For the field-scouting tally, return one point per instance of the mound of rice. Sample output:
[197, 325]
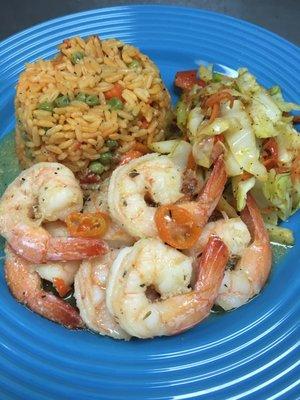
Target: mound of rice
[65, 110]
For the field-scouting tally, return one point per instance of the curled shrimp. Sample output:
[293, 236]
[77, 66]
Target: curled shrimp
[249, 275]
[115, 236]
[136, 188]
[90, 293]
[210, 194]
[26, 286]
[44, 192]
[152, 264]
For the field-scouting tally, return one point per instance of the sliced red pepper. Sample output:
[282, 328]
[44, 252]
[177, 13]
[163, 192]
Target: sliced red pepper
[270, 153]
[61, 287]
[187, 79]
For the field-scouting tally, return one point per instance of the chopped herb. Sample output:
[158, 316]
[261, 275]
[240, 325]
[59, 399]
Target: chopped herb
[133, 173]
[147, 315]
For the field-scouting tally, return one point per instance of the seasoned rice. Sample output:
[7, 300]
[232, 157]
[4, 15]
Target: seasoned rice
[75, 133]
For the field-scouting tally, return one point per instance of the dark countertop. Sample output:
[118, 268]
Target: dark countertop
[281, 17]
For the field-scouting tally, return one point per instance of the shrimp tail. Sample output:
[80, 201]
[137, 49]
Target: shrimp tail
[260, 247]
[40, 247]
[214, 187]
[254, 221]
[210, 195]
[71, 249]
[210, 272]
[25, 286]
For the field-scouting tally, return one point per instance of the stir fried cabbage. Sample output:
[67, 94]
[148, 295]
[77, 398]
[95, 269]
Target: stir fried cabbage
[242, 115]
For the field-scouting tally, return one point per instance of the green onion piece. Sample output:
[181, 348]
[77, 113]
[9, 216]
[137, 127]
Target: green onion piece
[111, 144]
[105, 158]
[115, 103]
[81, 97]
[92, 100]
[62, 101]
[280, 235]
[76, 56]
[46, 106]
[96, 167]
[134, 64]
[217, 77]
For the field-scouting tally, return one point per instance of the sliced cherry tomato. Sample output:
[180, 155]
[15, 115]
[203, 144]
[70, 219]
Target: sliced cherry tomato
[87, 225]
[177, 226]
[187, 79]
[116, 91]
[270, 153]
[61, 287]
[129, 155]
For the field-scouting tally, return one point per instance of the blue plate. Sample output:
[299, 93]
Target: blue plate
[250, 353]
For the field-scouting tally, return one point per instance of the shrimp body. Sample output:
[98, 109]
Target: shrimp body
[44, 192]
[152, 264]
[233, 232]
[25, 285]
[51, 271]
[90, 293]
[115, 236]
[252, 270]
[136, 188]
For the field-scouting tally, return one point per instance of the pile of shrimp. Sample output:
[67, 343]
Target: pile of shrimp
[164, 259]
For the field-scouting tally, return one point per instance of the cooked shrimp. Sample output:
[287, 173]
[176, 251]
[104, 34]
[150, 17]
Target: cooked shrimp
[26, 286]
[233, 232]
[136, 188]
[252, 270]
[152, 264]
[44, 192]
[210, 194]
[115, 236]
[60, 273]
[90, 293]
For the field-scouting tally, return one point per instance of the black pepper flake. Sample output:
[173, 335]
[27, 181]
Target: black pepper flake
[125, 203]
[225, 285]
[147, 315]
[124, 274]
[133, 173]
[23, 179]
[142, 285]
[55, 173]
